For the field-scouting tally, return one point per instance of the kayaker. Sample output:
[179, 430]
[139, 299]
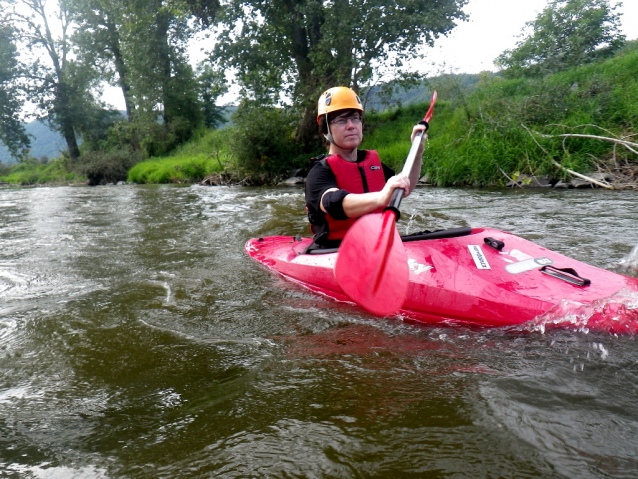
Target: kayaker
[348, 183]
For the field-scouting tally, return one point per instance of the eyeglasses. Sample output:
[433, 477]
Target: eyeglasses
[342, 120]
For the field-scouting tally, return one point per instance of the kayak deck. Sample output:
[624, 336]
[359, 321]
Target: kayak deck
[487, 277]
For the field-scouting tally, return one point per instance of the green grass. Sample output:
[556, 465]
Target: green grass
[389, 132]
[206, 153]
[477, 140]
[33, 173]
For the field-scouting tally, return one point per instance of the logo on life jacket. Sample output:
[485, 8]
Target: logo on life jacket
[375, 167]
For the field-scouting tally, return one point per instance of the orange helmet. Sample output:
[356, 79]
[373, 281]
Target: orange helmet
[338, 98]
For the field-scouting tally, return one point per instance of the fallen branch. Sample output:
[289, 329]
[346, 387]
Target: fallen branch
[515, 183]
[582, 177]
[626, 144]
[571, 172]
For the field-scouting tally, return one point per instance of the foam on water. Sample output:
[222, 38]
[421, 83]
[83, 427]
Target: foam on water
[629, 264]
[616, 314]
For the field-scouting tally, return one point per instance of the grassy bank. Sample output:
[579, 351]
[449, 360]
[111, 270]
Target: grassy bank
[207, 153]
[510, 126]
[501, 128]
[479, 138]
[33, 173]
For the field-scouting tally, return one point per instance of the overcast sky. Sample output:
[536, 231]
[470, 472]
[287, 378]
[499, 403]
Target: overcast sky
[493, 26]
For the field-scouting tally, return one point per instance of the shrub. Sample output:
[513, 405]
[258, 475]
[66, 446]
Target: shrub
[263, 141]
[102, 168]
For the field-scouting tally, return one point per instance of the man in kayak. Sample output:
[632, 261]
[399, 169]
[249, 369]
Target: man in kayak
[347, 183]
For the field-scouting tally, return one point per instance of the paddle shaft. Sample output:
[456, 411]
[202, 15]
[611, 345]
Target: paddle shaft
[372, 265]
[397, 194]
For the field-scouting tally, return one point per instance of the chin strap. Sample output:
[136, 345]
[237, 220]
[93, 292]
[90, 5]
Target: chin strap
[328, 136]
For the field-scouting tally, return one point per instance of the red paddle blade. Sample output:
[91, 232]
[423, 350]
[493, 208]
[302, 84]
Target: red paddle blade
[428, 115]
[372, 267]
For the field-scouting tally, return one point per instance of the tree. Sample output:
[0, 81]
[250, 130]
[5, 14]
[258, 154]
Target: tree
[565, 34]
[298, 48]
[12, 132]
[212, 85]
[99, 38]
[140, 45]
[59, 84]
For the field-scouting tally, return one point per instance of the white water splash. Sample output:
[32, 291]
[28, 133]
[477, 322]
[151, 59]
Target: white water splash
[616, 314]
[630, 262]
[603, 350]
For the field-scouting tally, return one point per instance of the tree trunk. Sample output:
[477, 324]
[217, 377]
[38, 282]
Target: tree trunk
[69, 136]
[302, 39]
[120, 66]
[163, 49]
[64, 119]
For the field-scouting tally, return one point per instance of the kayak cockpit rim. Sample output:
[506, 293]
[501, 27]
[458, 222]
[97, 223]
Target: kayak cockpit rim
[421, 236]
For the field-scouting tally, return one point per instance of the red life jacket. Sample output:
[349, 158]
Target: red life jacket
[361, 177]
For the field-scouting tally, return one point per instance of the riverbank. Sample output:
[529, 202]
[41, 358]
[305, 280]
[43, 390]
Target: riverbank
[576, 122]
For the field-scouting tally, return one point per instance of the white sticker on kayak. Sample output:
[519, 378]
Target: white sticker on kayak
[527, 265]
[418, 268]
[479, 258]
[518, 255]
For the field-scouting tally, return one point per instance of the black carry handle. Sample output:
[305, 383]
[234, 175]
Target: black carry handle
[566, 274]
[494, 243]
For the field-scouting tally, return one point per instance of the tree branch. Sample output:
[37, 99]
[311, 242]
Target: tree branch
[626, 144]
[571, 172]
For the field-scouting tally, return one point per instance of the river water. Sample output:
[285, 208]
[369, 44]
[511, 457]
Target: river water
[137, 340]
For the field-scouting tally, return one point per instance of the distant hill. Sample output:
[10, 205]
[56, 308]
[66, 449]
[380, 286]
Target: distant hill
[44, 142]
[449, 87]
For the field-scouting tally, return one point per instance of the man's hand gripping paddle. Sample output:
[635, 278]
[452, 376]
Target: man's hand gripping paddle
[372, 267]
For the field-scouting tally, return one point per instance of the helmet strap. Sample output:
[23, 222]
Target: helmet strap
[328, 136]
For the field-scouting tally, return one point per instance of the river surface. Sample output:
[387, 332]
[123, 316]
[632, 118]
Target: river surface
[138, 340]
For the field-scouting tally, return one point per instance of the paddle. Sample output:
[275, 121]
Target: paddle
[372, 267]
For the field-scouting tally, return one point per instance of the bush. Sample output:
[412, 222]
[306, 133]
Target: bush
[149, 137]
[263, 142]
[101, 168]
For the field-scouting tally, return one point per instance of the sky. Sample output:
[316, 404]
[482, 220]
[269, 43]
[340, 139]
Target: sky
[493, 26]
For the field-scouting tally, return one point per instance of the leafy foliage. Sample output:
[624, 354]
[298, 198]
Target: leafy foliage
[101, 168]
[31, 172]
[12, 132]
[61, 86]
[212, 85]
[567, 33]
[263, 141]
[302, 47]
[141, 47]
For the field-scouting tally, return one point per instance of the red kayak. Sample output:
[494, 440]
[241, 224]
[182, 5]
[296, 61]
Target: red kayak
[478, 276]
